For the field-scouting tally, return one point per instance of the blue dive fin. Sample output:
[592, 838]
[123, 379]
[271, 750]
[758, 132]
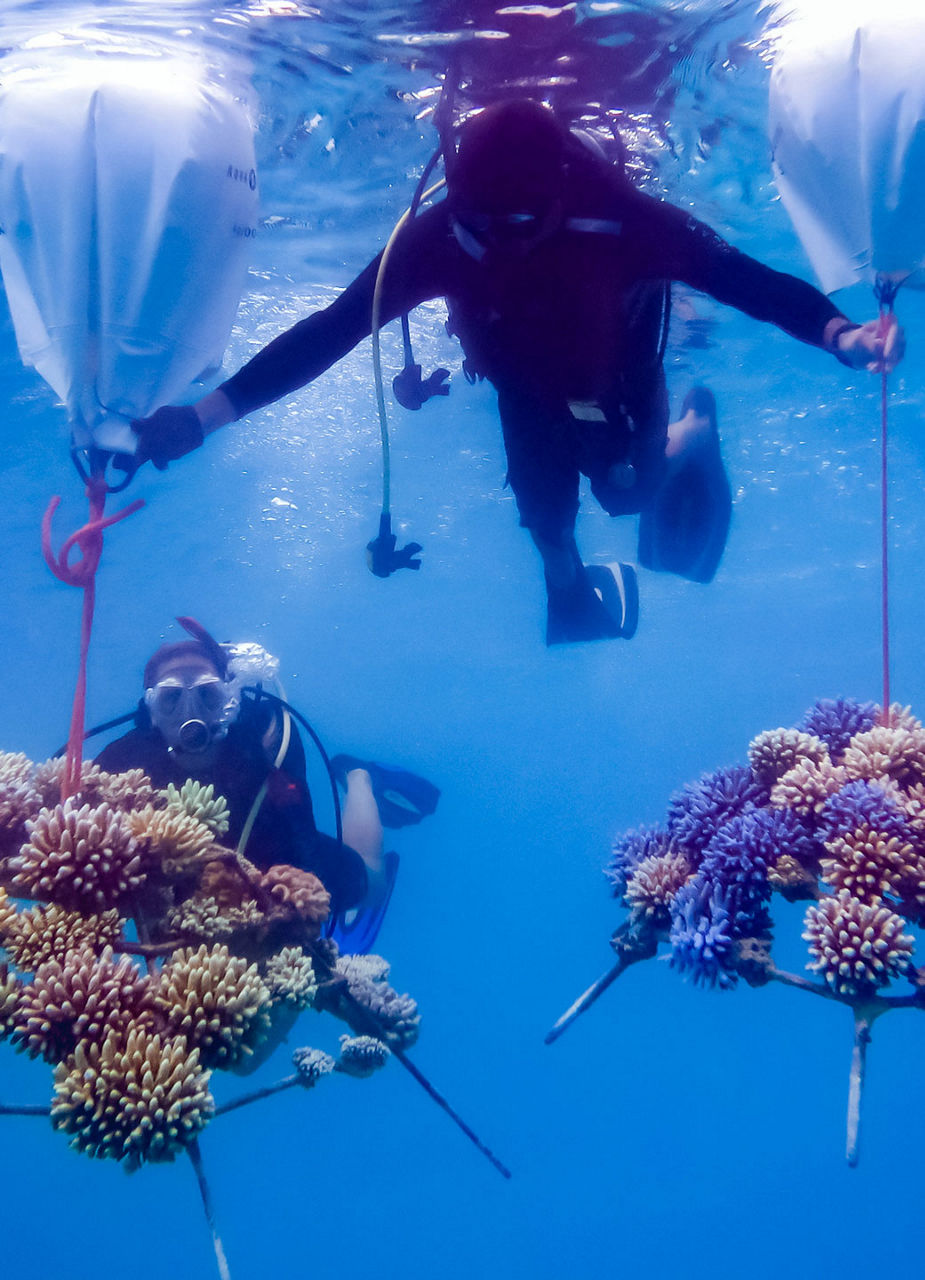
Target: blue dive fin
[358, 937]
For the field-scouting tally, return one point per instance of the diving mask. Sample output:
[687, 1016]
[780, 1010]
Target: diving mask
[191, 714]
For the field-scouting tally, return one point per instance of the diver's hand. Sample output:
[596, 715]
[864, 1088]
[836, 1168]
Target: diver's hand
[172, 432]
[877, 346]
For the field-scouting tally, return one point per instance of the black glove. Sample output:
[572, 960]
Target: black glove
[382, 556]
[411, 390]
[172, 432]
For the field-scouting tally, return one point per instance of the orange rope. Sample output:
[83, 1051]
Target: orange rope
[89, 540]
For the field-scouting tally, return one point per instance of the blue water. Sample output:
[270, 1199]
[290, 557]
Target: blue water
[672, 1131]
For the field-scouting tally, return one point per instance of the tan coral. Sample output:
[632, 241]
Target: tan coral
[139, 1096]
[807, 786]
[172, 838]
[654, 882]
[202, 917]
[886, 752]
[290, 978]
[46, 933]
[857, 947]
[870, 864]
[10, 988]
[199, 802]
[79, 998]
[217, 1001]
[79, 857]
[50, 774]
[230, 884]
[789, 877]
[19, 798]
[773, 753]
[132, 789]
[902, 718]
[8, 914]
[296, 893]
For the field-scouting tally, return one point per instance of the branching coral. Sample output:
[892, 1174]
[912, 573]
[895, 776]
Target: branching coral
[856, 947]
[863, 803]
[10, 988]
[837, 720]
[8, 915]
[702, 935]
[396, 1015]
[199, 802]
[631, 849]
[216, 1000]
[79, 998]
[81, 858]
[808, 786]
[50, 774]
[19, 797]
[296, 894]
[312, 1065]
[173, 837]
[697, 811]
[49, 933]
[871, 864]
[654, 882]
[773, 753]
[204, 918]
[290, 978]
[138, 1096]
[887, 753]
[362, 1056]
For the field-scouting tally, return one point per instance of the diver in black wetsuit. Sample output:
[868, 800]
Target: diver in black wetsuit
[191, 723]
[554, 268]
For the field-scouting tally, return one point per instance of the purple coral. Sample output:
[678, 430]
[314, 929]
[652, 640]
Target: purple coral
[702, 934]
[859, 804]
[632, 848]
[697, 811]
[837, 720]
[737, 860]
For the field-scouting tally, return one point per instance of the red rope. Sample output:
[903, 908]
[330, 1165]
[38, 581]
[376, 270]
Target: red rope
[884, 532]
[89, 540]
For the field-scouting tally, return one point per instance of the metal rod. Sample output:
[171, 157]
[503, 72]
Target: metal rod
[195, 1156]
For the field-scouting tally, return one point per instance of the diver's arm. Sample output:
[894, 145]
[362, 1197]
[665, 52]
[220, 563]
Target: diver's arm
[693, 253]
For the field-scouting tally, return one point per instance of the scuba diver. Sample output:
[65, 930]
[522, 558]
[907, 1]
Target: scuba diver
[557, 271]
[206, 715]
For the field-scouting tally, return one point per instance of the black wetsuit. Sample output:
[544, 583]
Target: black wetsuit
[575, 320]
[284, 830]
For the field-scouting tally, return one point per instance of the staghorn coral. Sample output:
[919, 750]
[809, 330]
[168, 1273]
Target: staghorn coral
[10, 988]
[296, 894]
[48, 933]
[702, 943]
[773, 753]
[362, 1056]
[203, 918]
[697, 811]
[130, 790]
[290, 978]
[312, 1064]
[217, 1001]
[199, 802]
[78, 857]
[397, 1015]
[837, 720]
[8, 915]
[857, 947]
[736, 861]
[886, 752]
[864, 803]
[871, 864]
[138, 1096]
[19, 797]
[79, 998]
[50, 774]
[654, 882]
[807, 787]
[792, 879]
[174, 838]
[632, 848]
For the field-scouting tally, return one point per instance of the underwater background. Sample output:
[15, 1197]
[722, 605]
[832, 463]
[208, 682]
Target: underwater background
[672, 1130]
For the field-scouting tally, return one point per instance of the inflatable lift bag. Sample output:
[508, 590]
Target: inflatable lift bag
[847, 128]
[128, 197]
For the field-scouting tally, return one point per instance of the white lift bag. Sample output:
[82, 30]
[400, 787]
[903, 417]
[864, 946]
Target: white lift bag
[128, 198]
[847, 128]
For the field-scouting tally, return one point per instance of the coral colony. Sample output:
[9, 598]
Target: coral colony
[831, 812]
[142, 955]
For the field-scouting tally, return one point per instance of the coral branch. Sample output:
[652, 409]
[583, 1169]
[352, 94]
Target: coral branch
[856, 1083]
[25, 1111]
[195, 1156]
[257, 1094]
[635, 940]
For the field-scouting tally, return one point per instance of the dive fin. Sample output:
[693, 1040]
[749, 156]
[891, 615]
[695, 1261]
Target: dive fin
[355, 931]
[403, 797]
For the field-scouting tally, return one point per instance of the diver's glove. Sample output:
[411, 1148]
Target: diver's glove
[172, 432]
[411, 390]
[381, 554]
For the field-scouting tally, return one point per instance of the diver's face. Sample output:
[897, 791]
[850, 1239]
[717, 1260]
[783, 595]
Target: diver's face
[188, 704]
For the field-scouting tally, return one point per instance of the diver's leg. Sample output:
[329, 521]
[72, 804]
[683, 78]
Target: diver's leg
[362, 831]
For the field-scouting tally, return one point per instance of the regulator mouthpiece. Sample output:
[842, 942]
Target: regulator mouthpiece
[193, 735]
